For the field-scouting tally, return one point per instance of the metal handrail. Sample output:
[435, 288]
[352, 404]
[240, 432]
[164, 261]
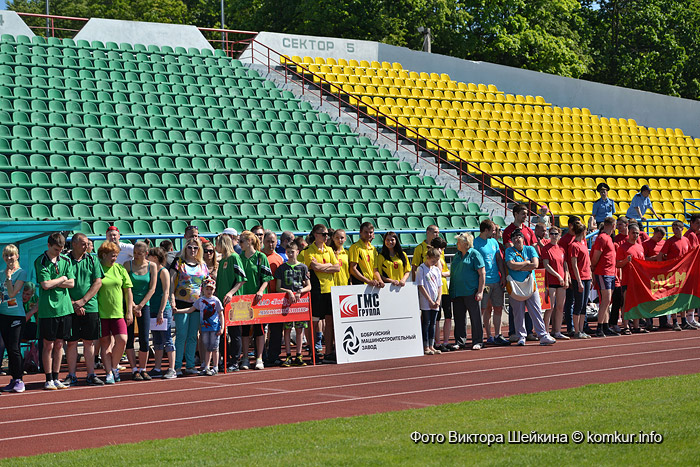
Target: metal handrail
[407, 130]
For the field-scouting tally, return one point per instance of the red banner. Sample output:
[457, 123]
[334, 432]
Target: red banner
[272, 308]
[658, 288]
[541, 287]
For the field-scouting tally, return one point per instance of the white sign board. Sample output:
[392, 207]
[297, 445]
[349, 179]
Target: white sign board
[376, 324]
[311, 46]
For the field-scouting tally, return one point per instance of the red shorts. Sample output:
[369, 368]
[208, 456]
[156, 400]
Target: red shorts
[113, 326]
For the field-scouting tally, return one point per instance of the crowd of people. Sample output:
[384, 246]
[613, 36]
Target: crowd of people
[101, 298]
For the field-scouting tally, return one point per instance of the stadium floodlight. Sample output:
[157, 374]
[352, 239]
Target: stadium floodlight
[427, 38]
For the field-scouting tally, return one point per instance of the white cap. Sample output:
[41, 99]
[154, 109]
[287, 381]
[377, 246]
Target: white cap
[230, 231]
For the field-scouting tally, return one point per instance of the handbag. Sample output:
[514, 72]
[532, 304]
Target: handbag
[520, 290]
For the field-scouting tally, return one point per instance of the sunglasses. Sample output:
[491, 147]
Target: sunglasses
[209, 251]
[192, 247]
[325, 234]
[191, 227]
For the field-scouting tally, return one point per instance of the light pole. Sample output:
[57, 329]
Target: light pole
[47, 18]
[223, 44]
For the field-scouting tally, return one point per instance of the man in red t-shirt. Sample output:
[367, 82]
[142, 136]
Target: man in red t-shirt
[519, 217]
[603, 263]
[692, 233]
[626, 251]
[622, 228]
[652, 247]
[693, 236]
[564, 242]
[274, 330]
[674, 248]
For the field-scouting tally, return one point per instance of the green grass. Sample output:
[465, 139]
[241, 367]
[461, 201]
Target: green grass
[670, 406]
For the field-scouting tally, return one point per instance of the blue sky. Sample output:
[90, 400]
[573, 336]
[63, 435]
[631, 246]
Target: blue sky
[2, 4]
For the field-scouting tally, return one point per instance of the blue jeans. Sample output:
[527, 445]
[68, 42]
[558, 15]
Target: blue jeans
[428, 318]
[186, 329]
[163, 340]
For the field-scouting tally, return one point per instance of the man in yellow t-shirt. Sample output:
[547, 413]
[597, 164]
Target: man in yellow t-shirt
[323, 265]
[362, 256]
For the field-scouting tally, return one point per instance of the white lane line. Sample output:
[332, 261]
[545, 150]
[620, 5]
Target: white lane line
[265, 392]
[326, 402]
[239, 374]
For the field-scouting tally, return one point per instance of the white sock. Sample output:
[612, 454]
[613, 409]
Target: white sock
[135, 370]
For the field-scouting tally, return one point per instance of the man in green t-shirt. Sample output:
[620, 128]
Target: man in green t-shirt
[55, 275]
[86, 321]
[230, 276]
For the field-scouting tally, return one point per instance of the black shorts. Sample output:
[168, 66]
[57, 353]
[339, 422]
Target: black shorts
[445, 308]
[51, 329]
[257, 329]
[321, 305]
[86, 327]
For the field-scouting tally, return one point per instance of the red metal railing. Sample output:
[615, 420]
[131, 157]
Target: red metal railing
[272, 58]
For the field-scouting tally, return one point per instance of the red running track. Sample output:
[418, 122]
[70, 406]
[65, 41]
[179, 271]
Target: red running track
[40, 421]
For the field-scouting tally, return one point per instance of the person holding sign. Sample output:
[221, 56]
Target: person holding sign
[258, 274]
[293, 279]
[391, 265]
[211, 317]
[161, 311]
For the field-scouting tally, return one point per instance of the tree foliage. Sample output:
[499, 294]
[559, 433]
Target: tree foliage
[652, 45]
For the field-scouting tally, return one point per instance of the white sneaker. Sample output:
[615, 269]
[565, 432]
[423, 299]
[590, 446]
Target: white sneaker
[476, 347]
[59, 384]
[561, 336]
[521, 341]
[245, 364]
[259, 364]
[547, 340]
[50, 386]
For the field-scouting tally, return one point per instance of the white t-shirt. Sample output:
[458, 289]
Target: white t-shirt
[431, 279]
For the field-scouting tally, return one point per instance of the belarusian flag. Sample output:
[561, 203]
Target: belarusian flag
[658, 288]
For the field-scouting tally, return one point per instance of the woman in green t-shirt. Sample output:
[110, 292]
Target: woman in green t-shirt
[114, 293]
[258, 274]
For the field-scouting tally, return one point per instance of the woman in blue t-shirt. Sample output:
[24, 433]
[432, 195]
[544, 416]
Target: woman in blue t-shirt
[12, 315]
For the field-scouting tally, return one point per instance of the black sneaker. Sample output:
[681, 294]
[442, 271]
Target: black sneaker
[145, 376]
[330, 358]
[600, 333]
[610, 332]
[687, 327]
[136, 376]
[500, 340]
[93, 380]
[676, 327]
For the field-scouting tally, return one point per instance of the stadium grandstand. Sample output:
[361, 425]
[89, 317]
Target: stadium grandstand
[151, 137]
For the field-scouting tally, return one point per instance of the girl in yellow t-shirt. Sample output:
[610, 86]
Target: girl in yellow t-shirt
[391, 265]
[336, 243]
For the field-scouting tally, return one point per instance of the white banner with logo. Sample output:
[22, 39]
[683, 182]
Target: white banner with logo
[376, 324]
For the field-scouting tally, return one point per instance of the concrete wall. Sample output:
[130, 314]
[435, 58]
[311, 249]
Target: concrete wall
[648, 109]
[135, 32]
[11, 23]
